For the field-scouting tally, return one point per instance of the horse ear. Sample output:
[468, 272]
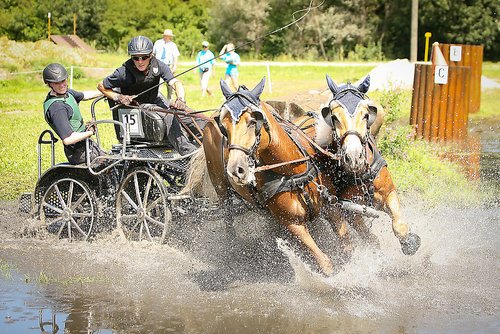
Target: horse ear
[333, 87]
[327, 115]
[365, 85]
[373, 109]
[259, 88]
[226, 91]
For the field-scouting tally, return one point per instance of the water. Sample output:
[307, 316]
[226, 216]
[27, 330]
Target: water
[209, 284]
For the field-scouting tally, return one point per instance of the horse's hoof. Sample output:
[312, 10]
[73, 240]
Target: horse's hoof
[410, 244]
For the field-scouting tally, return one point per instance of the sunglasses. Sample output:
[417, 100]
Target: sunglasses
[205, 46]
[137, 58]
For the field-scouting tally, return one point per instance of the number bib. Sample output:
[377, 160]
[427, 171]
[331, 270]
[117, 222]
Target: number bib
[131, 118]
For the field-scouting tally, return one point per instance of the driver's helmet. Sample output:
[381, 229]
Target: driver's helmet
[54, 73]
[140, 45]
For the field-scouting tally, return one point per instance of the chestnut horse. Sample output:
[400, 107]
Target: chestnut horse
[249, 152]
[361, 174]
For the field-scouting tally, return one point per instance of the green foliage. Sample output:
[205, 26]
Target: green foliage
[363, 53]
[335, 30]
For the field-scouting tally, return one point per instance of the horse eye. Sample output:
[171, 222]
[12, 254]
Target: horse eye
[252, 122]
[365, 117]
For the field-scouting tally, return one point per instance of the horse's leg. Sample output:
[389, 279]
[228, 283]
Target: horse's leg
[359, 224]
[292, 213]
[338, 221]
[301, 232]
[213, 147]
[386, 194]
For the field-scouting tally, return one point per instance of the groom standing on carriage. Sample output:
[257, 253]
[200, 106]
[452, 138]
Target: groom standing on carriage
[137, 81]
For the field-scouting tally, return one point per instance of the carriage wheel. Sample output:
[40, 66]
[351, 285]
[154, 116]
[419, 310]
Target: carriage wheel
[69, 209]
[142, 210]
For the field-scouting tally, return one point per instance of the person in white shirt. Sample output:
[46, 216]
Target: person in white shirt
[167, 52]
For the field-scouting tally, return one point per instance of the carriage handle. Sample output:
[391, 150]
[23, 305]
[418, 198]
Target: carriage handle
[41, 141]
[125, 141]
[92, 112]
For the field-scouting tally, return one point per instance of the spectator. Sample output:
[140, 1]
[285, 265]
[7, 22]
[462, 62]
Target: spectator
[166, 51]
[232, 60]
[205, 57]
[142, 73]
[62, 113]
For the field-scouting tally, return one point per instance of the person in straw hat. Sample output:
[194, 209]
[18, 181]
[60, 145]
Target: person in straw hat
[167, 52]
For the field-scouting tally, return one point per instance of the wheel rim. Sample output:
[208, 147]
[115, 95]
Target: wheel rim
[68, 209]
[142, 210]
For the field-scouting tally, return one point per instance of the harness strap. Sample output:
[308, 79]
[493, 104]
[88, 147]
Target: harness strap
[289, 124]
[268, 167]
[276, 183]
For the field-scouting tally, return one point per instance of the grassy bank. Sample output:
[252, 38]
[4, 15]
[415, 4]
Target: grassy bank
[415, 165]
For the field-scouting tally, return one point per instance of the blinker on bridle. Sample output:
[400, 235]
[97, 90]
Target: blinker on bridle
[328, 116]
[256, 112]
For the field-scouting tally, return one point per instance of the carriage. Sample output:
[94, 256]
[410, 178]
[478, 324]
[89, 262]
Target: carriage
[135, 188]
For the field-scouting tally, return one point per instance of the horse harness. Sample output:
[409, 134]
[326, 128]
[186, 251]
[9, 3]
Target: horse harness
[274, 183]
[350, 98]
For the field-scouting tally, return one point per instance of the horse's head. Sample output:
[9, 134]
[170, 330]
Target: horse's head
[348, 117]
[241, 119]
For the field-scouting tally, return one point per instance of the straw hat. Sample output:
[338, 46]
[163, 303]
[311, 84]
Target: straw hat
[168, 32]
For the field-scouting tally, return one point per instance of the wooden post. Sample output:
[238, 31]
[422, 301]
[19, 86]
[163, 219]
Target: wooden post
[414, 31]
[426, 118]
[443, 102]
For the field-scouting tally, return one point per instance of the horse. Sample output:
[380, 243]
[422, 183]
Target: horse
[361, 174]
[248, 152]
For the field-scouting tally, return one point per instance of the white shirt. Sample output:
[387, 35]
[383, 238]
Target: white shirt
[166, 51]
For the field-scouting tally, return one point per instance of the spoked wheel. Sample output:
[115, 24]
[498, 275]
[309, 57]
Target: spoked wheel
[69, 209]
[142, 208]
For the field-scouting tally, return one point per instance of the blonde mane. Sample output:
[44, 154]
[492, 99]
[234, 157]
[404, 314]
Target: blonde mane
[324, 132]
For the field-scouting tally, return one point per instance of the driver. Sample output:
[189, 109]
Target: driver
[62, 113]
[139, 73]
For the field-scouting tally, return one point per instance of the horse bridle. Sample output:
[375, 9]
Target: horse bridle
[260, 119]
[339, 140]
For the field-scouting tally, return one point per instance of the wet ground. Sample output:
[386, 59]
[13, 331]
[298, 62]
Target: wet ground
[207, 281]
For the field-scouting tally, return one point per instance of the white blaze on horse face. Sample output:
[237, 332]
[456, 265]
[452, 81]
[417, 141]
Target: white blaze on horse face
[354, 158]
[241, 136]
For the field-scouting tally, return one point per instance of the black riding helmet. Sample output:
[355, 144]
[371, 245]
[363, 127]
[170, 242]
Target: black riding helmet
[140, 45]
[54, 73]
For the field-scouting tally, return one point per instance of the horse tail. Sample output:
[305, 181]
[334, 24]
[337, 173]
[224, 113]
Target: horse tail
[198, 183]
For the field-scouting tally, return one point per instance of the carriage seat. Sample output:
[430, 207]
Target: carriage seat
[146, 127]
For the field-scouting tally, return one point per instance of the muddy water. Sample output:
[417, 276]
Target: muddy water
[208, 281]
[205, 281]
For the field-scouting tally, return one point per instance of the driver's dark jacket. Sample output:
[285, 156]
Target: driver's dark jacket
[131, 81]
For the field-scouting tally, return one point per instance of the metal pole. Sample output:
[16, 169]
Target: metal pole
[74, 24]
[427, 36]
[71, 77]
[414, 31]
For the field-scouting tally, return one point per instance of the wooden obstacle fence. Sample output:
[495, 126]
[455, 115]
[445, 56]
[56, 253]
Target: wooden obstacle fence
[471, 55]
[439, 112]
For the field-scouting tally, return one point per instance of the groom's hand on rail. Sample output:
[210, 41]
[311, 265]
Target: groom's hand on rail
[179, 104]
